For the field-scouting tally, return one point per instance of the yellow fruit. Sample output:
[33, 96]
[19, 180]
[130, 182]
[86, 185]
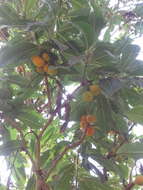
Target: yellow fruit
[52, 71]
[87, 96]
[37, 61]
[91, 118]
[46, 57]
[39, 69]
[46, 68]
[139, 180]
[83, 124]
[95, 89]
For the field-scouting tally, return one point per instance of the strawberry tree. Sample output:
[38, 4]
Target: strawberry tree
[70, 94]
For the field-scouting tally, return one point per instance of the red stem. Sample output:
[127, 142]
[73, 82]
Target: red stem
[129, 186]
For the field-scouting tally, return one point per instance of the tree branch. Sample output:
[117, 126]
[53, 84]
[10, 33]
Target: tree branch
[70, 97]
[48, 93]
[66, 149]
[15, 125]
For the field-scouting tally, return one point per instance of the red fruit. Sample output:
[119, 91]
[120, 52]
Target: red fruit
[90, 131]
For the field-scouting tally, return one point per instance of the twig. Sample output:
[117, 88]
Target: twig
[129, 186]
[48, 93]
[132, 126]
[47, 124]
[70, 97]
[16, 126]
[76, 171]
[66, 149]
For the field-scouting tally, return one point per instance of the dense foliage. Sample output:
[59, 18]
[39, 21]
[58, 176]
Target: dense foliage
[71, 92]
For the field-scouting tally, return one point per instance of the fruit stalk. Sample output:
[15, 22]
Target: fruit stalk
[129, 186]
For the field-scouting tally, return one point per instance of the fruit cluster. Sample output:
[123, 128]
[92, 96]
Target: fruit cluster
[87, 121]
[138, 180]
[42, 64]
[94, 90]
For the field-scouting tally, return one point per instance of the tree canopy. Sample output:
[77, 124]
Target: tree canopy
[71, 93]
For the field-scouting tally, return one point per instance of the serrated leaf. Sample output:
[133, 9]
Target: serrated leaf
[10, 147]
[110, 86]
[135, 114]
[31, 118]
[133, 150]
[31, 184]
[16, 54]
[29, 4]
[88, 183]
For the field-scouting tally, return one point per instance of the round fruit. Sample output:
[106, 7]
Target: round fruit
[46, 57]
[39, 69]
[87, 96]
[52, 71]
[83, 118]
[90, 131]
[139, 180]
[37, 61]
[91, 118]
[20, 69]
[95, 89]
[83, 124]
[46, 68]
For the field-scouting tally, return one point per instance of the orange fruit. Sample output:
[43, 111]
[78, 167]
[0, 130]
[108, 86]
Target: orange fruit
[39, 69]
[46, 68]
[90, 131]
[83, 124]
[87, 96]
[52, 71]
[46, 57]
[91, 118]
[37, 61]
[139, 180]
[83, 118]
[95, 89]
[20, 69]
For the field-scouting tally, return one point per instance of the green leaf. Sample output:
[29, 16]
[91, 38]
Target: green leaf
[9, 17]
[133, 150]
[29, 4]
[88, 183]
[18, 80]
[31, 184]
[104, 114]
[20, 176]
[110, 86]
[31, 118]
[139, 9]
[109, 165]
[135, 114]
[16, 54]
[2, 187]
[65, 177]
[9, 147]
[44, 158]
